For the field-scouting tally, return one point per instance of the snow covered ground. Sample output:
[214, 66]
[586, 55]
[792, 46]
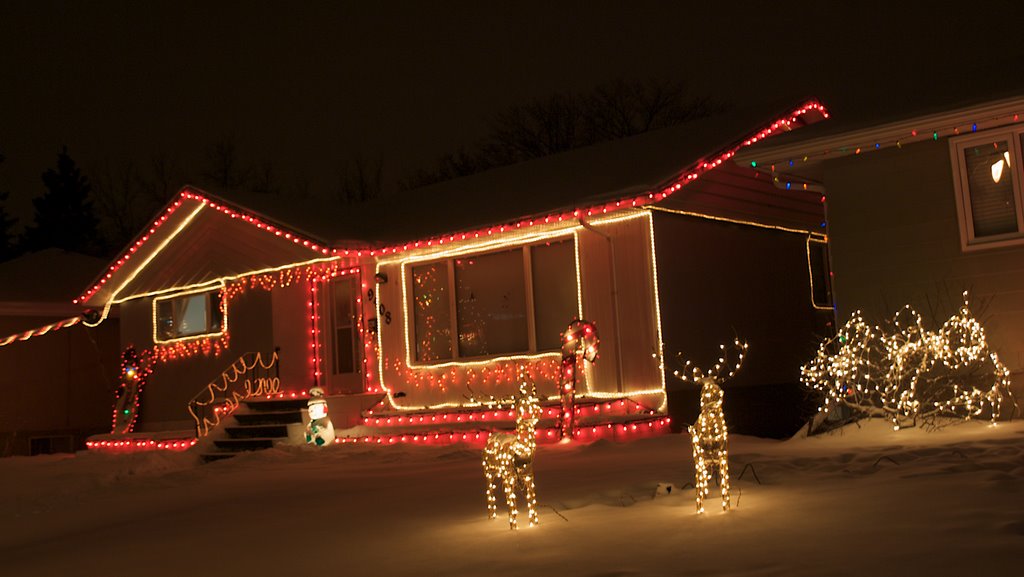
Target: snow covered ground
[866, 501]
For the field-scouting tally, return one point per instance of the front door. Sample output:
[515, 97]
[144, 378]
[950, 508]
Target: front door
[344, 357]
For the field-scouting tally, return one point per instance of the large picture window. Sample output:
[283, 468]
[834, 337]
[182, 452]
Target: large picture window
[515, 301]
[989, 180]
[191, 315]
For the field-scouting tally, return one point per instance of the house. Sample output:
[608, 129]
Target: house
[415, 307]
[921, 207]
[57, 375]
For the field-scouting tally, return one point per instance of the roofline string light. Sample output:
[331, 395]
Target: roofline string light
[190, 194]
[909, 136]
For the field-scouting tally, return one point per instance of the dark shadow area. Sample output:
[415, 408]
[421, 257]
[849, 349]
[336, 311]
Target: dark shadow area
[773, 411]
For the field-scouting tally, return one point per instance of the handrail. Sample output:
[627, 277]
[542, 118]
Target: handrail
[222, 396]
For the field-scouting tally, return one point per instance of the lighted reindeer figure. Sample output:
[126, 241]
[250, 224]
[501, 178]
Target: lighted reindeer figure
[508, 458]
[709, 435]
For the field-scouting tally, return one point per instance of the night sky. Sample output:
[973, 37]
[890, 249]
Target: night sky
[310, 86]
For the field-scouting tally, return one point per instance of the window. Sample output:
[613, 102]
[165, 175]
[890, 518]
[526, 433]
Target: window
[989, 180]
[191, 315]
[343, 322]
[514, 301]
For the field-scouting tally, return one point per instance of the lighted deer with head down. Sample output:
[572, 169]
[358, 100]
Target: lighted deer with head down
[508, 458]
[708, 435]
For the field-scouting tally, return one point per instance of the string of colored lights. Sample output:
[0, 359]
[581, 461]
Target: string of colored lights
[611, 431]
[897, 136]
[485, 413]
[132, 445]
[134, 373]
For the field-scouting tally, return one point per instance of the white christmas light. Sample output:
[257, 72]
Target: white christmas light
[508, 458]
[709, 435]
[910, 375]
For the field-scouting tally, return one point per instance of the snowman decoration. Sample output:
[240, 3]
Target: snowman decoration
[319, 430]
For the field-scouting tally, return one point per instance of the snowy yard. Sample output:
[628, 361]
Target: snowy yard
[866, 501]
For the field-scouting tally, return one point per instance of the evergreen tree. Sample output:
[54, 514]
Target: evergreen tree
[64, 215]
[7, 222]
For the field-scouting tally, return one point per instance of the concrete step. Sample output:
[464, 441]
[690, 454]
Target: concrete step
[483, 417]
[268, 417]
[251, 444]
[257, 431]
[617, 428]
[257, 404]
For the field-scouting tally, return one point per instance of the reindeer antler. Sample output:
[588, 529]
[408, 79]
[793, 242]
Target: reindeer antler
[724, 362]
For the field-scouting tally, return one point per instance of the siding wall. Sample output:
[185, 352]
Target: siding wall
[721, 280]
[174, 383]
[61, 383]
[896, 240]
[630, 338]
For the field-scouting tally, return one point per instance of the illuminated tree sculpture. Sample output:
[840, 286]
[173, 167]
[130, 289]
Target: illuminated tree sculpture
[708, 435]
[508, 458]
[578, 341]
[908, 374]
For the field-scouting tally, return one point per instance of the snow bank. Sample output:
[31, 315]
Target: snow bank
[861, 501]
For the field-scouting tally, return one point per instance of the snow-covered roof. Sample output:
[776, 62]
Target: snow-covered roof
[255, 232]
[562, 182]
[51, 275]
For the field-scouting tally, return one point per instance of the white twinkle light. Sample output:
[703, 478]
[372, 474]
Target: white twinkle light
[909, 374]
[508, 457]
[709, 435]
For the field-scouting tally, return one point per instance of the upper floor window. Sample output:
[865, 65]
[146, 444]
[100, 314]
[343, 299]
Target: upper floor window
[989, 179]
[475, 306]
[190, 315]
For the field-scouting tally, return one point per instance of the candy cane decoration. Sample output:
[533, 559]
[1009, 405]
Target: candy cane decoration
[580, 339]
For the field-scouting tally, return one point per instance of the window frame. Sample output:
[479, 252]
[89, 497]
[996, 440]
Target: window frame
[208, 293]
[965, 216]
[530, 306]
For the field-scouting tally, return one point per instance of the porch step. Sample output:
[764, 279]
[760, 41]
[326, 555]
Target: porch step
[624, 428]
[587, 410]
[259, 425]
[268, 417]
[275, 405]
[239, 445]
[258, 431]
